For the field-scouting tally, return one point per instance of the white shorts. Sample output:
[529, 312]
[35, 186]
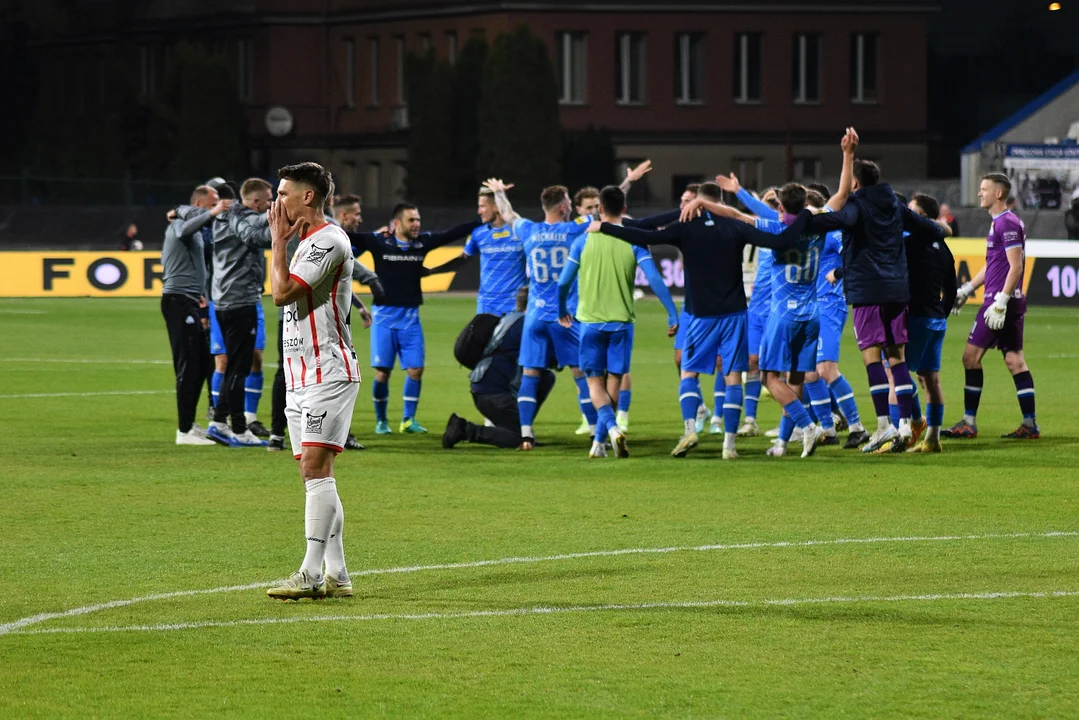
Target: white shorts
[320, 415]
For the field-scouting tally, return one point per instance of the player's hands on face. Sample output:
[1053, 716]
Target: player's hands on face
[729, 183]
[566, 321]
[280, 228]
[635, 174]
[691, 211]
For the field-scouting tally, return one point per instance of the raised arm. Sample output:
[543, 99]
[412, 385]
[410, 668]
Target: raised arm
[718, 209]
[635, 174]
[786, 240]
[438, 239]
[451, 265]
[849, 144]
[729, 183]
[670, 235]
[502, 201]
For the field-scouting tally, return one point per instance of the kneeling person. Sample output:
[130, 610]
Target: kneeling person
[496, 381]
[607, 269]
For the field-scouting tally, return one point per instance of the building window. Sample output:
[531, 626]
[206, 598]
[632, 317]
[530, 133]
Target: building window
[689, 68]
[750, 172]
[629, 75]
[747, 67]
[245, 70]
[350, 73]
[147, 71]
[373, 187]
[863, 68]
[806, 79]
[807, 168]
[451, 47]
[572, 67]
[400, 182]
[399, 44]
[374, 71]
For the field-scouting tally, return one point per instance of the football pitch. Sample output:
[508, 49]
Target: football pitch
[494, 583]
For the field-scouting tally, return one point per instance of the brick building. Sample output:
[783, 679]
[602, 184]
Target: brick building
[761, 88]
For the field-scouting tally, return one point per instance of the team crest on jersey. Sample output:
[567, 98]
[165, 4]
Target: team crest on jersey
[314, 423]
[317, 254]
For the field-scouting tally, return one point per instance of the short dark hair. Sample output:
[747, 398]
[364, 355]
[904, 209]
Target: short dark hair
[400, 208]
[693, 188]
[584, 194]
[1000, 179]
[792, 197]
[928, 204]
[819, 187]
[349, 200]
[867, 172]
[612, 201]
[815, 199]
[553, 196]
[710, 190]
[901, 197]
[312, 175]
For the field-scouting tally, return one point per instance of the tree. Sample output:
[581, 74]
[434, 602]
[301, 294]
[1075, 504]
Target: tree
[468, 86]
[431, 173]
[588, 158]
[519, 134]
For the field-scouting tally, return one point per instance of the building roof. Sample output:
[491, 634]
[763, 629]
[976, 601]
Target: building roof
[1023, 113]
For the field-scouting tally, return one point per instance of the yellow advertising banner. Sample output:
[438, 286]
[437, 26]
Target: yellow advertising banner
[128, 274]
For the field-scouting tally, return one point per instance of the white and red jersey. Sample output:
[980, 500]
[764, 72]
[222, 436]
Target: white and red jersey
[317, 341]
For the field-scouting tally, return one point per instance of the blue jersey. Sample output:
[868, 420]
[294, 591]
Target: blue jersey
[831, 258]
[502, 268]
[546, 247]
[794, 274]
[760, 301]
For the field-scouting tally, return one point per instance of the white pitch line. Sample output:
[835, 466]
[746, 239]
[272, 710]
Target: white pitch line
[525, 611]
[18, 396]
[112, 604]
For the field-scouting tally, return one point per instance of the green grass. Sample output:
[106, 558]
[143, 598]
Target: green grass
[99, 505]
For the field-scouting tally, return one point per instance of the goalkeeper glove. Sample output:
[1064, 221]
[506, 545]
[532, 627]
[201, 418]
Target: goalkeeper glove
[995, 313]
[961, 297]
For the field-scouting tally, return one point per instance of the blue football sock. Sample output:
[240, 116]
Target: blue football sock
[215, 385]
[893, 413]
[844, 396]
[689, 397]
[526, 400]
[821, 402]
[798, 414]
[732, 408]
[380, 392]
[753, 395]
[719, 394]
[786, 427]
[253, 392]
[624, 399]
[605, 420]
[411, 396]
[934, 414]
[915, 406]
[585, 399]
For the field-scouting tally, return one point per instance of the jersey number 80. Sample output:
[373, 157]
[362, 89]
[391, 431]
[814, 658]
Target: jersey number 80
[801, 267]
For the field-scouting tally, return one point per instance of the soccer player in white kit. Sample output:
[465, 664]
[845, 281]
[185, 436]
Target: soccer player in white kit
[322, 376]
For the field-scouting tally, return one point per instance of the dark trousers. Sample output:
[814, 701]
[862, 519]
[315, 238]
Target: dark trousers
[278, 423]
[189, 352]
[238, 328]
[501, 409]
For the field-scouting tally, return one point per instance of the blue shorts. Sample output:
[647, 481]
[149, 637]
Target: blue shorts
[708, 338]
[217, 340]
[832, 322]
[757, 322]
[388, 344]
[680, 336]
[605, 351]
[260, 335]
[544, 340]
[790, 345]
[924, 345]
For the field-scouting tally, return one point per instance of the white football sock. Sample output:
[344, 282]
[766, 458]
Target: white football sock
[728, 441]
[251, 417]
[691, 426]
[319, 515]
[335, 547]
